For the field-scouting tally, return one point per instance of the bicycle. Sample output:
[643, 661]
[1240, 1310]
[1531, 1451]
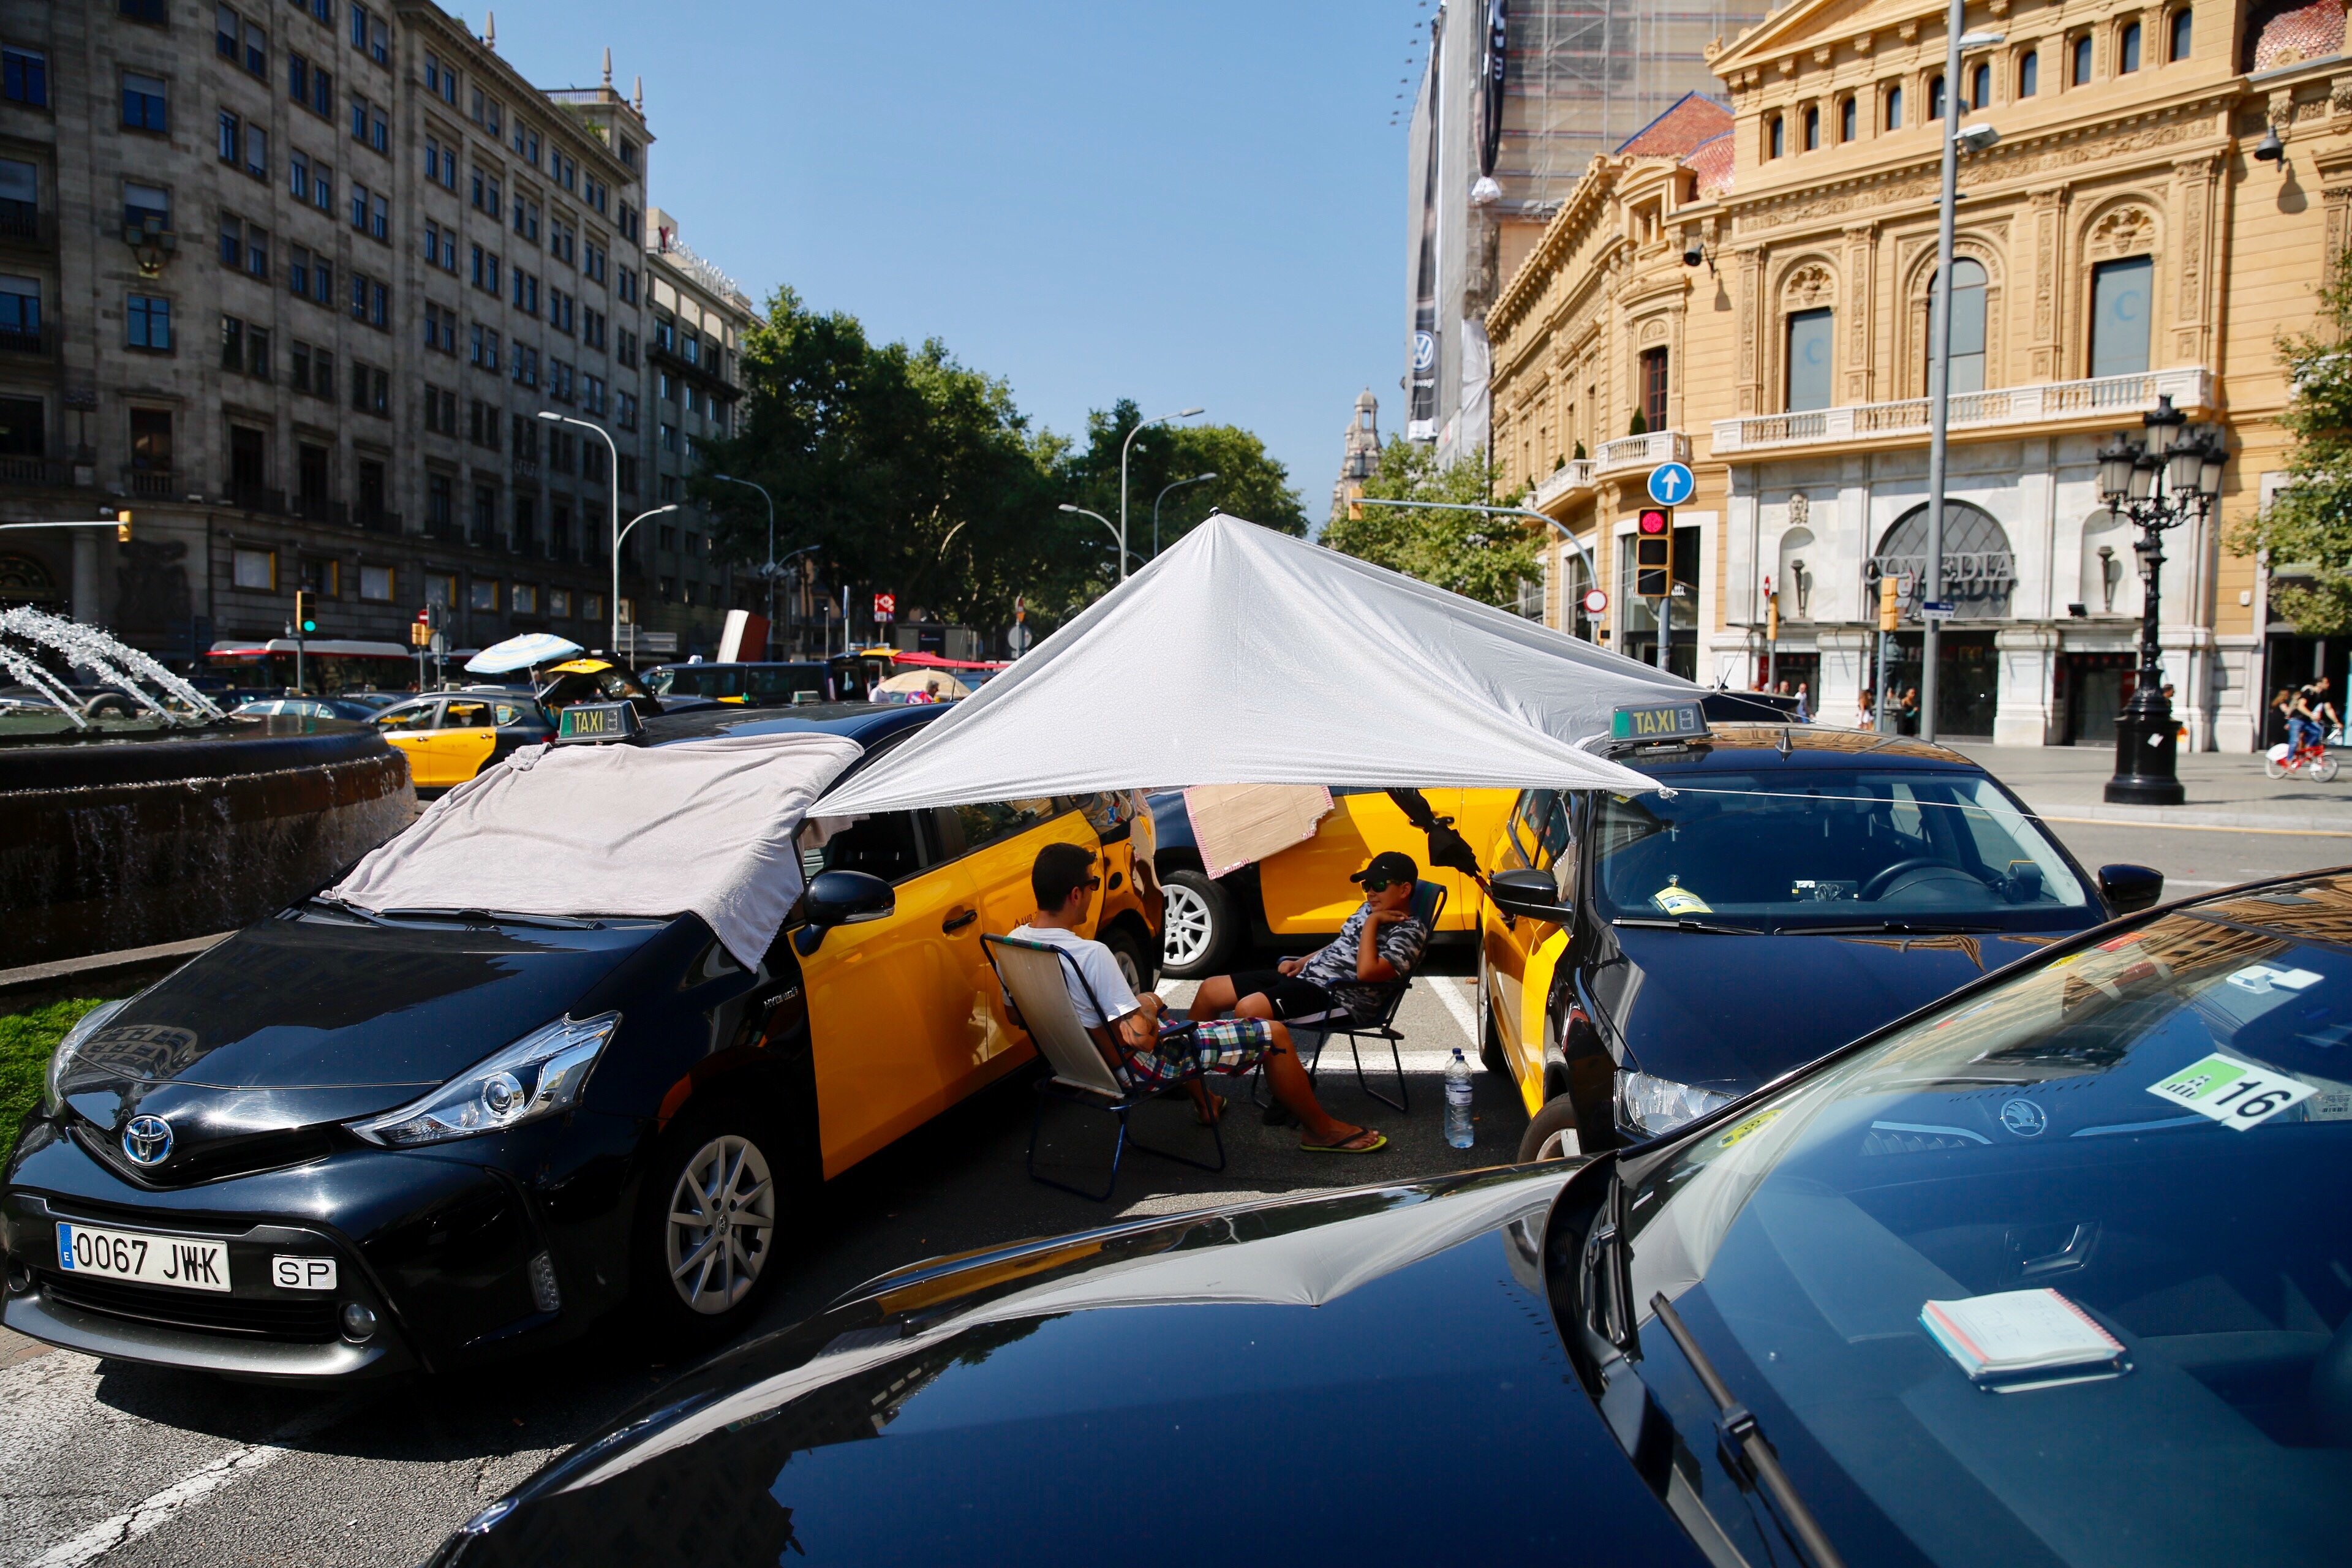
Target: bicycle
[2312, 759]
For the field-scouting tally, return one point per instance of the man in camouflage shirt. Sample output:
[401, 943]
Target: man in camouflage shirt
[1376, 951]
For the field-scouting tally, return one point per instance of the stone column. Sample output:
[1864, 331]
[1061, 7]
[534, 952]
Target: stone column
[2028, 657]
[88, 598]
[2187, 654]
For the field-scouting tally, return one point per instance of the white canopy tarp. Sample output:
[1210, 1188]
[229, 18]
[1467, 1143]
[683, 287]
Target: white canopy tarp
[1242, 656]
[705, 826]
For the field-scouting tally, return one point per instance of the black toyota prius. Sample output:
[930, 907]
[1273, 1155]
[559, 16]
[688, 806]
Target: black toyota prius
[2045, 1273]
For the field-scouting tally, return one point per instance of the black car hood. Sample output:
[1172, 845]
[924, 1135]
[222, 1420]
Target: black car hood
[1372, 1376]
[334, 1005]
[1733, 1012]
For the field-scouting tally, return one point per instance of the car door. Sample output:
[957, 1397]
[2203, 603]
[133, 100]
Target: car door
[407, 727]
[1305, 889]
[890, 1001]
[462, 740]
[1518, 957]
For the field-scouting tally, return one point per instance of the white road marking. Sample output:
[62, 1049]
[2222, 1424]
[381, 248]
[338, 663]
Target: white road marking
[167, 1504]
[1456, 994]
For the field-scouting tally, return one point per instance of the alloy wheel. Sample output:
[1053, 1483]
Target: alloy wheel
[1185, 925]
[722, 1219]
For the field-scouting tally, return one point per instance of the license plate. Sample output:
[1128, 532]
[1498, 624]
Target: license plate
[150, 1259]
[292, 1273]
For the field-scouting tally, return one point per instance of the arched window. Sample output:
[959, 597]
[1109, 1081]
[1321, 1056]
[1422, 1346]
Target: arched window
[1849, 121]
[1967, 370]
[2029, 73]
[2180, 33]
[1978, 568]
[1812, 342]
[1775, 137]
[1812, 128]
[2128, 51]
[1936, 97]
[2081, 74]
[1895, 108]
[2122, 300]
[1981, 86]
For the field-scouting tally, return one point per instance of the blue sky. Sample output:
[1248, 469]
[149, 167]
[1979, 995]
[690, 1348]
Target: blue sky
[1192, 202]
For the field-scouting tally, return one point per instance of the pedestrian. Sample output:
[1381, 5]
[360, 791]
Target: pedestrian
[1863, 720]
[1906, 716]
[1804, 705]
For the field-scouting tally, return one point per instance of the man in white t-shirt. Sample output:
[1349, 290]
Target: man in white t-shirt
[1064, 881]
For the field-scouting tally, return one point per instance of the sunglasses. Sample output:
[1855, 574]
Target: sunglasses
[1377, 884]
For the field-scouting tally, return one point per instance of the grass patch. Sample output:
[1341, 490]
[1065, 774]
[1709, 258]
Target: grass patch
[27, 1041]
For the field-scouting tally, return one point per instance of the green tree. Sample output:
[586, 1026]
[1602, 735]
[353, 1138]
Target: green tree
[2309, 523]
[1249, 483]
[1476, 554]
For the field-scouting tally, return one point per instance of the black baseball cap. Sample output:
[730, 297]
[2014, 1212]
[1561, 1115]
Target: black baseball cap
[1389, 866]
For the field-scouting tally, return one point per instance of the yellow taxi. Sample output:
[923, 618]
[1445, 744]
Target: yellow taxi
[450, 736]
[1302, 894]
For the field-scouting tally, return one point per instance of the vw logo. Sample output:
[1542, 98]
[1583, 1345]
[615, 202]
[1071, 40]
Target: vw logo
[2024, 1117]
[147, 1139]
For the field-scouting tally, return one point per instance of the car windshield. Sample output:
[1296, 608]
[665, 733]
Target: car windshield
[1798, 848]
[2142, 1146]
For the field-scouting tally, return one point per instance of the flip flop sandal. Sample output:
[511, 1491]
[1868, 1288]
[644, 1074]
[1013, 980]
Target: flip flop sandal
[1221, 1105]
[1349, 1146]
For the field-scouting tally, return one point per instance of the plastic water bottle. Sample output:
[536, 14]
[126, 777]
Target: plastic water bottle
[1457, 1102]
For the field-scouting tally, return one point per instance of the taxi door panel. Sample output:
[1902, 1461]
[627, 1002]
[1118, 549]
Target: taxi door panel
[1521, 955]
[1306, 890]
[882, 993]
[998, 873]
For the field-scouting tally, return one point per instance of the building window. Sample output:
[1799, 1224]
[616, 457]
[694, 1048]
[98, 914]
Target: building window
[144, 103]
[2029, 73]
[1981, 86]
[254, 570]
[1812, 128]
[323, 187]
[155, 11]
[2127, 49]
[2079, 53]
[1895, 108]
[1810, 339]
[1966, 369]
[230, 133]
[484, 595]
[1936, 97]
[25, 76]
[2181, 35]
[1849, 121]
[2121, 301]
[20, 312]
[376, 583]
[371, 35]
[149, 321]
[1653, 388]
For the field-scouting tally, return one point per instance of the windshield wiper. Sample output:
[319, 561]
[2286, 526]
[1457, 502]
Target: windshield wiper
[1744, 1443]
[1685, 923]
[491, 917]
[1878, 928]
[340, 908]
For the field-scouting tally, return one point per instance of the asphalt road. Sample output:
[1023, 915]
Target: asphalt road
[132, 1466]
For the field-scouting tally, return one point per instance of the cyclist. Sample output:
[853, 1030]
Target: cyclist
[2307, 719]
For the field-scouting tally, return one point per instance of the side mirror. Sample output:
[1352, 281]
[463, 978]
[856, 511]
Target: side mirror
[2130, 887]
[1528, 894]
[841, 899]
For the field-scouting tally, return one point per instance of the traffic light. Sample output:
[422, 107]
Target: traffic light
[122, 528]
[306, 624]
[1654, 552]
[1772, 617]
[1890, 602]
[420, 631]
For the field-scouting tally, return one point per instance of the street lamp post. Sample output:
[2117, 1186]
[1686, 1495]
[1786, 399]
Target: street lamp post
[1591, 574]
[1975, 139]
[770, 571]
[1123, 446]
[612, 490]
[777, 569]
[1115, 533]
[618, 535]
[2170, 478]
[1180, 484]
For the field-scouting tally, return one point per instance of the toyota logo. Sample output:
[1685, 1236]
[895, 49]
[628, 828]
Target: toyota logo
[2024, 1117]
[147, 1139]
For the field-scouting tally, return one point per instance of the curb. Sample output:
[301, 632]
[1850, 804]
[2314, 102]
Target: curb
[2338, 825]
[102, 965]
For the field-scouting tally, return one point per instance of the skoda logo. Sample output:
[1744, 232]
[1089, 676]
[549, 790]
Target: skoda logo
[2024, 1117]
[147, 1139]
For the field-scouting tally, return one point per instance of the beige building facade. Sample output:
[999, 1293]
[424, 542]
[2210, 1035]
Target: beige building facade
[304, 277]
[2121, 243]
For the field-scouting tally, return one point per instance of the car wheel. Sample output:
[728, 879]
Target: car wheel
[1135, 965]
[1196, 924]
[708, 1222]
[1551, 1134]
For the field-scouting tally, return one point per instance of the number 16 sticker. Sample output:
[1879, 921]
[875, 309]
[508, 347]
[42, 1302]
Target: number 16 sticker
[2234, 1093]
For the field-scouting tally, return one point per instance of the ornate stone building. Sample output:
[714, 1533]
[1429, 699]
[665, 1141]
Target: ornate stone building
[2122, 242]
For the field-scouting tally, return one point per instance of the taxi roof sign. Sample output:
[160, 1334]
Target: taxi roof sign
[1677, 720]
[591, 723]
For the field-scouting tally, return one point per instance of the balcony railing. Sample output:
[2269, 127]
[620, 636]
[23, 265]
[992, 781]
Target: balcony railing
[2103, 396]
[317, 508]
[151, 484]
[256, 498]
[524, 542]
[1642, 451]
[374, 520]
[24, 340]
[1573, 475]
[35, 471]
[447, 530]
[22, 220]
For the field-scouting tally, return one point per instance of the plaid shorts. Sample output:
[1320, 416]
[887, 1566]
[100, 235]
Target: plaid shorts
[1214, 1045]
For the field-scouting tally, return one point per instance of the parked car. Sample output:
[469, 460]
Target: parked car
[1646, 958]
[449, 737]
[312, 708]
[1727, 1340]
[751, 684]
[344, 1144]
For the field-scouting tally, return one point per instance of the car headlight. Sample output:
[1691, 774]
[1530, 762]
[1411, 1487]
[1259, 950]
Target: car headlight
[538, 1075]
[53, 1090]
[1652, 1106]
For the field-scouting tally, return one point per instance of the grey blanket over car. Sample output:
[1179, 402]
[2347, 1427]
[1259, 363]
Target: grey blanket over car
[700, 825]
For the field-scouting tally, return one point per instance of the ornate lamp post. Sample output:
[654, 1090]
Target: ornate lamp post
[2171, 477]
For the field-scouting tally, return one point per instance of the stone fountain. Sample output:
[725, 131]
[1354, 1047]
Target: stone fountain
[146, 815]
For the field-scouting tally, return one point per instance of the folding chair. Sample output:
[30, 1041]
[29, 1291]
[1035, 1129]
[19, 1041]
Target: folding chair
[1428, 903]
[1033, 975]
